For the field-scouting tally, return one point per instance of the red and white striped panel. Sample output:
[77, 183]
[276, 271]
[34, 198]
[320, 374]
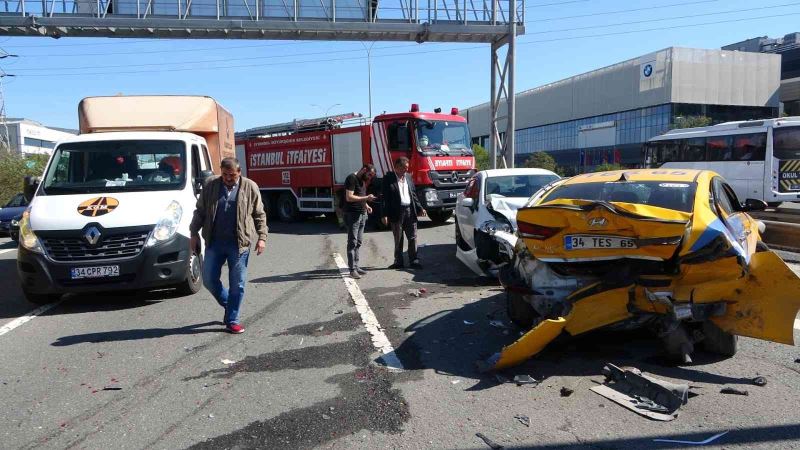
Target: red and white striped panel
[379, 150]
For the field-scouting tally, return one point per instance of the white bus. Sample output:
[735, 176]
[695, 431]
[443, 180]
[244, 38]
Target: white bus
[759, 158]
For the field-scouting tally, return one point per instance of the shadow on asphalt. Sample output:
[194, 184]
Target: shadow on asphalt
[137, 334]
[320, 274]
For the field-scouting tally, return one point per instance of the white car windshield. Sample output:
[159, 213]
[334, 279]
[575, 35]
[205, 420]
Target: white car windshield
[516, 185]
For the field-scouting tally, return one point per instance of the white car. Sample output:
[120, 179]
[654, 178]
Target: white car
[489, 204]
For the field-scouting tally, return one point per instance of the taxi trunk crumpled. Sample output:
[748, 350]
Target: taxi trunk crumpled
[672, 250]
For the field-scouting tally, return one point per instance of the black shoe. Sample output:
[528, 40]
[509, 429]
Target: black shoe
[361, 271]
[416, 265]
[354, 275]
[397, 266]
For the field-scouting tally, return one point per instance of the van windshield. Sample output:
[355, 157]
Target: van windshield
[116, 166]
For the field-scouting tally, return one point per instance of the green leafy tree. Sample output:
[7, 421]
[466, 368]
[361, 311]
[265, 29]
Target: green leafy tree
[481, 157]
[13, 169]
[541, 160]
[605, 167]
[690, 122]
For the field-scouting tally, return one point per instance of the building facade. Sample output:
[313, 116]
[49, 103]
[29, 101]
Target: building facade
[789, 49]
[28, 137]
[604, 116]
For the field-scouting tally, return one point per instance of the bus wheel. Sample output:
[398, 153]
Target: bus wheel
[287, 208]
[441, 215]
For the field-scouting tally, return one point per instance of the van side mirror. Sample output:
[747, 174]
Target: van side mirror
[752, 204]
[29, 186]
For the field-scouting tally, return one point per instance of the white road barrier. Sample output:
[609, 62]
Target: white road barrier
[379, 339]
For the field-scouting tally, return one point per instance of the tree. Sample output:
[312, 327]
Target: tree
[14, 168]
[541, 160]
[605, 167]
[690, 122]
[481, 157]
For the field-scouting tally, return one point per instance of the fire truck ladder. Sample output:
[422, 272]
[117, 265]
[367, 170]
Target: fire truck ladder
[299, 125]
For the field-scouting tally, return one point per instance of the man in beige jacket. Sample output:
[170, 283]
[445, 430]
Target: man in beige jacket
[231, 214]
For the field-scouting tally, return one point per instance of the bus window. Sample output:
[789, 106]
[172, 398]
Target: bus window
[786, 142]
[693, 149]
[668, 151]
[718, 148]
[749, 147]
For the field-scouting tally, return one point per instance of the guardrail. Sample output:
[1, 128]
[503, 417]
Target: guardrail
[781, 235]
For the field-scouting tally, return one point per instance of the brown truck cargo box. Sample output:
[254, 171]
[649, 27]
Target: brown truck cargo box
[188, 113]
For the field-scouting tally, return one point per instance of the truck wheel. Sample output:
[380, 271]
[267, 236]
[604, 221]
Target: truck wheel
[718, 341]
[519, 311]
[441, 215]
[194, 276]
[287, 208]
[40, 299]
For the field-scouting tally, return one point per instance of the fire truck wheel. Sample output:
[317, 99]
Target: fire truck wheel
[440, 216]
[287, 208]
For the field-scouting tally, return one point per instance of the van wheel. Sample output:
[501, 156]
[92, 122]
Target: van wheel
[519, 311]
[287, 208]
[718, 341]
[440, 216]
[40, 299]
[194, 276]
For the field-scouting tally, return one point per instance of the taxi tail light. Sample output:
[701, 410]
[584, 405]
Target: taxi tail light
[533, 231]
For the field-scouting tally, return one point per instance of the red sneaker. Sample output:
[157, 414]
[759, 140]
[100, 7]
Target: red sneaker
[235, 328]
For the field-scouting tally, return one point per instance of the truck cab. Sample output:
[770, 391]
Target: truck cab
[440, 153]
[112, 212]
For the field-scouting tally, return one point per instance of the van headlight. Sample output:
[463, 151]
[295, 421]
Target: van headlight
[167, 225]
[27, 237]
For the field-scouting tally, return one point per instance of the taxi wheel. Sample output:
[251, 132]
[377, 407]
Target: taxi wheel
[718, 341]
[194, 276]
[40, 299]
[519, 311]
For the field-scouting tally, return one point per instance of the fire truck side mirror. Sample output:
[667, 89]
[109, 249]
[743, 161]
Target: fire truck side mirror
[29, 186]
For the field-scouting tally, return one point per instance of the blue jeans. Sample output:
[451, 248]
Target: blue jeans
[355, 222]
[217, 253]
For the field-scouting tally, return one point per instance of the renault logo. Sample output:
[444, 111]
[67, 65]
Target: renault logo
[92, 235]
[597, 222]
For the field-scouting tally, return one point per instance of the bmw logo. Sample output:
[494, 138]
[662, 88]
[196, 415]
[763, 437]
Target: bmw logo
[648, 70]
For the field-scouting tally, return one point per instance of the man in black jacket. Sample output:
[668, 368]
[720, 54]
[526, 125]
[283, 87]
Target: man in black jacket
[400, 209]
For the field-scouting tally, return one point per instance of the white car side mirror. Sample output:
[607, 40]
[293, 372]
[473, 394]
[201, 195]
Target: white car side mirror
[468, 202]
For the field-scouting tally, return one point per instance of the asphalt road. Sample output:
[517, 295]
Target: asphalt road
[157, 371]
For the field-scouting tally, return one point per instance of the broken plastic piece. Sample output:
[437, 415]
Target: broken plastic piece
[497, 323]
[760, 381]
[732, 390]
[228, 362]
[525, 379]
[414, 292]
[703, 442]
[112, 388]
[566, 392]
[489, 442]
[467, 322]
[525, 420]
[647, 396]
[339, 311]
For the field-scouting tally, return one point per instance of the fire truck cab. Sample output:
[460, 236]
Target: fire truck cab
[300, 166]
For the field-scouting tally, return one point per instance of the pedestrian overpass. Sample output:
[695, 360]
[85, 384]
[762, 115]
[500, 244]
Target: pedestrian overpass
[496, 22]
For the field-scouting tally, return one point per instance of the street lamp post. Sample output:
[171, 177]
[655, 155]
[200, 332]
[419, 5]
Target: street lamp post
[326, 110]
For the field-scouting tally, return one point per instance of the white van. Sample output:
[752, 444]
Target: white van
[112, 212]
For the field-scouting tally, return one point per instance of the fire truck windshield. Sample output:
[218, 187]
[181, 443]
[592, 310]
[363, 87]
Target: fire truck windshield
[443, 136]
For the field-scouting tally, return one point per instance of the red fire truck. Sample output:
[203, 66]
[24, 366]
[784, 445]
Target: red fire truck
[301, 166]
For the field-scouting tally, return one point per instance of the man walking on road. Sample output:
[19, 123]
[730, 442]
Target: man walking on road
[231, 215]
[400, 209]
[356, 211]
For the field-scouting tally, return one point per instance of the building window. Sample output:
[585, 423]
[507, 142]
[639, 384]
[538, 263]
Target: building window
[39, 143]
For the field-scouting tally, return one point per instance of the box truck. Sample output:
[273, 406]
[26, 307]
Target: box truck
[113, 207]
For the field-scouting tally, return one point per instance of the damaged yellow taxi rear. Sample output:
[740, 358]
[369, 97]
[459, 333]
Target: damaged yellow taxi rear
[672, 250]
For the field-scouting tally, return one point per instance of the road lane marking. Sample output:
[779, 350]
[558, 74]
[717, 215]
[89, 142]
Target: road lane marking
[379, 339]
[7, 250]
[28, 317]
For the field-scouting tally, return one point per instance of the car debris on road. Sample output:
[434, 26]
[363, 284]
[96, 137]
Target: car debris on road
[648, 396]
[733, 390]
[670, 250]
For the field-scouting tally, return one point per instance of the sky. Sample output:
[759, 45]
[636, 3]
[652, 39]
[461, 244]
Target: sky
[285, 80]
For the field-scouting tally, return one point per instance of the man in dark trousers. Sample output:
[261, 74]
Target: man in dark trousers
[356, 211]
[230, 213]
[400, 209]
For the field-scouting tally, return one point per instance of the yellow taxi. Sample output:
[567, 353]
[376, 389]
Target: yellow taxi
[673, 250]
